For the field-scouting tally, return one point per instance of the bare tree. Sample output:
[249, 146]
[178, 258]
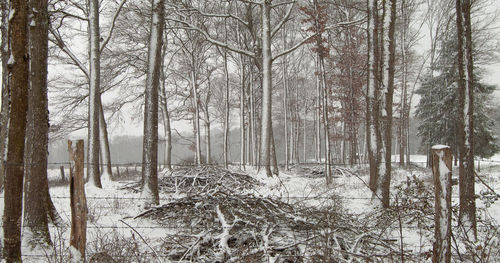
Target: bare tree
[150, 142]
[94, 94]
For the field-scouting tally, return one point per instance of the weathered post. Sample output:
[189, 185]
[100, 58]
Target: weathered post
[441, 170]
[78, 202]
[63, 178]
[117, 170]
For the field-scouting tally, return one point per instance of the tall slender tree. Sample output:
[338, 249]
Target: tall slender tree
[150, 142]
[94, 94]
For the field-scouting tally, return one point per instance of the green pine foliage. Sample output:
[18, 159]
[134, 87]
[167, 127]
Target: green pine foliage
[438, 107]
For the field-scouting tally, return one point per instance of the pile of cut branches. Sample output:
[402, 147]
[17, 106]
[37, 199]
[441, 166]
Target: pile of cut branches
[224, 227]
[200, 179]
[209, 179]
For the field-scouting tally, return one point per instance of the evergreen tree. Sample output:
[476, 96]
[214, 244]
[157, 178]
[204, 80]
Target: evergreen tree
[438, 106]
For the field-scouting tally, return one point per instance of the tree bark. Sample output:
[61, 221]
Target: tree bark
[78, 236]
[265, 138]
[467, 212]
[94, 100]
[226, 113]
[104, 143]
[18, 69]
[285, 99]
[36, 209]
[194, 85]
[441, 169]
[386, 183]
[4, 113]
[242, 114]
[318, 112]
[150, 143]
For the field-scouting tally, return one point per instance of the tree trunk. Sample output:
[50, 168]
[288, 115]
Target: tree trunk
[94, 95]
[150, 143]
[36, 208]
[285, 99]
[242, 114]
[226, 113]
[386, 183]
[318, 112]
[467, 213]
[18, 69]
[328, 169]
[265, 139]
[104, 143]
[273, 155]
[196, 120]
[253, 128]
[207, 140]
[372, 86]
[4, 113]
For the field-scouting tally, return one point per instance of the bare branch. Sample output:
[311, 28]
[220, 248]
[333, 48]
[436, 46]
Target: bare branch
[284, 52]
[188, 26]
[60, 43]
[284, 20]
[115, 16]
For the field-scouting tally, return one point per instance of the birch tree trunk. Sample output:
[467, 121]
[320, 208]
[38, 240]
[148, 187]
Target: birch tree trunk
[265, 139]
[150, 143]
[94, 95]
[36, 206]
[18, 69]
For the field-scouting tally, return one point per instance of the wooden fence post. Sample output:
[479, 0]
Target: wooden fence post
[61, 169]
[78, 202]
[117, 171]
[441, 170]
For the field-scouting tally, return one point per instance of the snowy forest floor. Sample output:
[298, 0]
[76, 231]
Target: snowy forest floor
[208, 214]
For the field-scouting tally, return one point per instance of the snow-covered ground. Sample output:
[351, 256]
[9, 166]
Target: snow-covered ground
[112, 210]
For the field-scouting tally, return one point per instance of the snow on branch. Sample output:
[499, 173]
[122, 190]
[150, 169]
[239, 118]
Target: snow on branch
[189, 26]
[110, 32]
[60, 43]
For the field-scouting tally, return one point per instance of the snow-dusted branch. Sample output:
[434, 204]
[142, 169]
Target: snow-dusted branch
[284, 20]
[110, 32]
[218, 15]
[188, 26]
[60, 43]
[284, 52]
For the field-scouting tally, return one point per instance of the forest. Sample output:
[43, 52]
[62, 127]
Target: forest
[270, 131]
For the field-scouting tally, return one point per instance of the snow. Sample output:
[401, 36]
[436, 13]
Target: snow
[110, 206]
[440, 147]
[76, 256]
